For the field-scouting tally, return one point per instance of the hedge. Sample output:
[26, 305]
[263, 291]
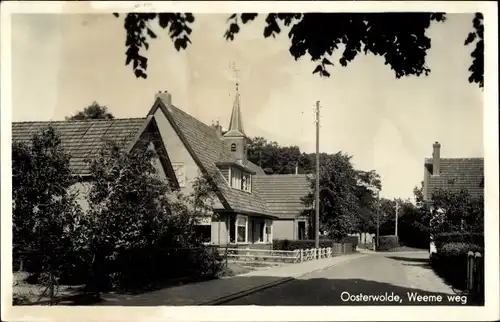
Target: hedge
[387, 243]
[458, 237]
[451, 262]
[285, 244]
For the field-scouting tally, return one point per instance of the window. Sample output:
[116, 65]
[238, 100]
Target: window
[180, 173]
[203, 229]
[233, 147]
[241, 180]
[241, 229]
[238, 229]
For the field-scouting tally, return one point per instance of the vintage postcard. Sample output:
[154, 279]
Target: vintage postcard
[249, 161]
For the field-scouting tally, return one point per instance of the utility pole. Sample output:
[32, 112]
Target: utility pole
[317, 175]
[396, 226]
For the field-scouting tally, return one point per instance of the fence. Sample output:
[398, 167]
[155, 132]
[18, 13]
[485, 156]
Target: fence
[248, 255]
[475, 275]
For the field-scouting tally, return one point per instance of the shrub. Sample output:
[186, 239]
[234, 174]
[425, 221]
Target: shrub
[458, 237]
[387, 243]
[285, 244]
[353, 240]
[451, 262]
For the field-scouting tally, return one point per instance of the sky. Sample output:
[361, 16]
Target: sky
[61, 63]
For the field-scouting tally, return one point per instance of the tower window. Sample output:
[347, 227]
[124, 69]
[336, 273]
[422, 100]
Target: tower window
[233, 147]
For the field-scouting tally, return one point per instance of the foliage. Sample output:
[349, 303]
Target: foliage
[458, 237]
[45, 212]
[419, 193]
[351, 240]
[460, 212]
[451, 262]
[92, 112]
[276, 159]
[388, 243]
[136, 225]
[338, 201]
[413, 226]
[398, 37]
[477, 67]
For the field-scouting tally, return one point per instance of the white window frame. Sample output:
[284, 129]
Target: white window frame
[236, 179]
[236, 229]
[182, 180]
[268, 223]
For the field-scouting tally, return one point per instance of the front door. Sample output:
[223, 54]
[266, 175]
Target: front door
[301, 230]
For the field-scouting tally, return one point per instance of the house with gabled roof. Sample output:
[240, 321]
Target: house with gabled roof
[454, 174]
[250, 209]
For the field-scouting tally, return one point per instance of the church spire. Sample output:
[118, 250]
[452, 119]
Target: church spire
[236, 123]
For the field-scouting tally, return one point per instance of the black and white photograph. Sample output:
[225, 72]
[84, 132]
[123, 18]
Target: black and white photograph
[254, 160]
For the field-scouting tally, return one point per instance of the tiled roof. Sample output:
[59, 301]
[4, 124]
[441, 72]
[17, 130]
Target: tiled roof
[82, 139]
[457, 174]
[283, 193]
[255, 168]
[208, 148]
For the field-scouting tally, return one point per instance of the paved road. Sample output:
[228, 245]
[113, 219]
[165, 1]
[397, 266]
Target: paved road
[395, 275]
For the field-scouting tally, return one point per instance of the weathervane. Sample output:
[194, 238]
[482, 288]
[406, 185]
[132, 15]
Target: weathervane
[236, 74]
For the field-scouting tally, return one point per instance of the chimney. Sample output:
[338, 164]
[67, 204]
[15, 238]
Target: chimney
[436, 159]
[218, 129]
[165, 96]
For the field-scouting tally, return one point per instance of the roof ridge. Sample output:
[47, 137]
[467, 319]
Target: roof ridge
[82, 121]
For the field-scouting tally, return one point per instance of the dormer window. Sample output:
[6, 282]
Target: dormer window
[233, 147]
[240, 180]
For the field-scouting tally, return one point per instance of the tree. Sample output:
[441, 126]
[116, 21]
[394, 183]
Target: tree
[459, 212]
[276, 159]
[136, 224]
[367, 183]
[398, 37]
[92, 112]
[45, 212]
[338, 201]
[418, 193]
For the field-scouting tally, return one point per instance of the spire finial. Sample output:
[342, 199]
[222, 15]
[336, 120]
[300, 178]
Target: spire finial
[236, 72]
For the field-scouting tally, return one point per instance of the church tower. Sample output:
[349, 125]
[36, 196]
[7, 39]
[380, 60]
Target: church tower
[235, 139]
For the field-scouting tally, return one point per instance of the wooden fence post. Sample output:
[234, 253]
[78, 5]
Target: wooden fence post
[301, 255]
[478, 269]
[225, 254]
[470, 271]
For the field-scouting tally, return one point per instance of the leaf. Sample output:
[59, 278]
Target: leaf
[234, 28]
[470, 38]
[151, 33]
[325, 61]
[318, 69]
[231, 17]
[246, 17]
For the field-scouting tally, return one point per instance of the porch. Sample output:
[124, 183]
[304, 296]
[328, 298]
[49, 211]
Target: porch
[238, 230]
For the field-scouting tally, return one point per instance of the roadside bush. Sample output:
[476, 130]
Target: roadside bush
[388, 243]
[458, 237]
[285, 244]
[353, 240]
[451, 262]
